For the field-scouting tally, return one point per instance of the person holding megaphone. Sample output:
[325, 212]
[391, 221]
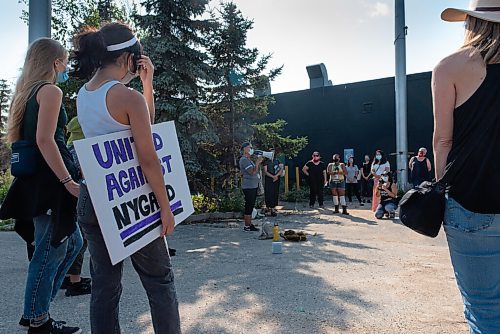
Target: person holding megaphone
[250, 182]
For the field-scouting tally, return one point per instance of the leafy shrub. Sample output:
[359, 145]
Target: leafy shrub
[233, 201]
[295, 195]
[203, 203]
[5, 181]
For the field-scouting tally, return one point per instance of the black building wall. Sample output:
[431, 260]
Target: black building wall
[360, 116]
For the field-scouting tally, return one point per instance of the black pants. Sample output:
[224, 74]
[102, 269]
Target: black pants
[250, 197]
[366, 187]
[315, 190]
[350, 189]
[76, 267]
[271, 192]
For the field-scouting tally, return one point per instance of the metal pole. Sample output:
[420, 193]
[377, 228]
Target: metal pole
[40, 14]
[400, 86]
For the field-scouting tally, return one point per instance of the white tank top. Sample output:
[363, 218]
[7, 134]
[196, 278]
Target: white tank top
[93, 114]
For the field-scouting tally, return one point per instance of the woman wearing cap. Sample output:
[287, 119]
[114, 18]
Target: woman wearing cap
[111, 57]
[249, 184]
[466, 98]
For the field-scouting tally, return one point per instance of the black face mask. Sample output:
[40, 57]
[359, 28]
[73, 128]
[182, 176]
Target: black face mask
[336, 160]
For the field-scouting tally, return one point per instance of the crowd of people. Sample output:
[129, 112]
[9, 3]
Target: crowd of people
[373, 184]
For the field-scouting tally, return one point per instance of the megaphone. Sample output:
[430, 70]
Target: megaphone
[269, 155]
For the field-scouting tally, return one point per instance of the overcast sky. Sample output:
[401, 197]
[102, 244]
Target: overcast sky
[353, 38]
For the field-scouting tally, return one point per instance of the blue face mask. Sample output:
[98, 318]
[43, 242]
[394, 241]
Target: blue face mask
[63, 76]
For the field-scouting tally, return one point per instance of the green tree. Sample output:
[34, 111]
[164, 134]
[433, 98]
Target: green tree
[269, 135]
[5, 95]
[173, 34]
[236, 101]
[68, 17]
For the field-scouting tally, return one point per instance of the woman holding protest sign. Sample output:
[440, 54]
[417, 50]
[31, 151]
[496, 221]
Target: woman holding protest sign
[44, 191]
[112, 57]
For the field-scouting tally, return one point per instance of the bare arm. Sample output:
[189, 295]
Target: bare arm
[410, 164]
[146, 73]
[140, 124]
[429, 167]
[254, 170]
[305, 170]
[49, 99]
[266, 172]
[444, 97]
[344, 169]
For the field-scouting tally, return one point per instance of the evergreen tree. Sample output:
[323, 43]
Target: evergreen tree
[68, 17]
[5, 95]
[235, 104]
[173, 35]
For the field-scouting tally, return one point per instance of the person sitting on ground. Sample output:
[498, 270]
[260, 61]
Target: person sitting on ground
[387, 191]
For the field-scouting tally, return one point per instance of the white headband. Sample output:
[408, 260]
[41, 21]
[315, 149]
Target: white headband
[123, 45]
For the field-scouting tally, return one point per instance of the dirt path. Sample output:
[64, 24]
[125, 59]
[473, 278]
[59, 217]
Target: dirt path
[353, 275]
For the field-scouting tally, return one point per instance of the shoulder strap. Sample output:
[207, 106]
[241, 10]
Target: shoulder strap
[453, 167]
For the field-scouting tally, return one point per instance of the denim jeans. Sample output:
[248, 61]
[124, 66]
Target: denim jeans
[474, 243]
[383, 208]
[47, 268]
[152, 263]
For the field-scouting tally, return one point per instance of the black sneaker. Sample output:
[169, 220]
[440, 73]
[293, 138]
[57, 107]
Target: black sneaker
[24, 323]
[172, 251]
[54, 327]
[66, 282]
[78, 289]
[250, 228]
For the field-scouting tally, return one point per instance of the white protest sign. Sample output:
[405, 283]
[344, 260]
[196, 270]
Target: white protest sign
[125, 206]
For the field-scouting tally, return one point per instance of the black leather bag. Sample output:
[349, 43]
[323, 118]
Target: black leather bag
[24, 158]
[422, 209]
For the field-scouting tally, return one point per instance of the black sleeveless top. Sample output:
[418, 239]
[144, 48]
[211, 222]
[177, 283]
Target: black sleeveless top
[476, 147]
[420, 172]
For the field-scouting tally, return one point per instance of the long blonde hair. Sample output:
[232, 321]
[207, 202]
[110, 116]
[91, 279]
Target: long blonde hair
[484, 37]
[37, 70]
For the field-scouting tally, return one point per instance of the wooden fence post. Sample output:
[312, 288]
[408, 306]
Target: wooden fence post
[297, 177]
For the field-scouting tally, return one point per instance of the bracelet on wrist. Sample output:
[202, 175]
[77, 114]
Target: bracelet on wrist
[66, 179]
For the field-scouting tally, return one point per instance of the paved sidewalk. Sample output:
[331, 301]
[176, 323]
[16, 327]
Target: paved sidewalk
[353, 275]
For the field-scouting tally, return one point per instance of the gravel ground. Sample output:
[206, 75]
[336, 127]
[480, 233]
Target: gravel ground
[353, 275]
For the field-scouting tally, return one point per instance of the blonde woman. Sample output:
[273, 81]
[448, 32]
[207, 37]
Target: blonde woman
[466, 98]
[48, 195]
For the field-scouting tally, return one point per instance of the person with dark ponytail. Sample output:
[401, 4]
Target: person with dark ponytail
[111, 57]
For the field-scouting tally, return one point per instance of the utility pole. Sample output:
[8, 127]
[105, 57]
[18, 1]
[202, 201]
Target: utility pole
[401, 94]
[40, 15]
